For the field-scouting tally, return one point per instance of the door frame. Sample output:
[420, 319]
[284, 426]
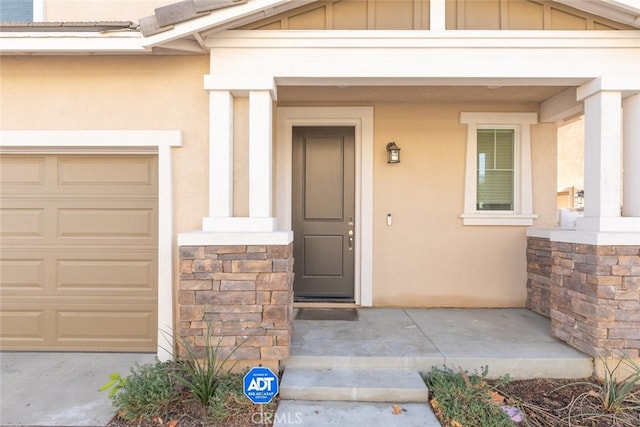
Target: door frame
[361, 118]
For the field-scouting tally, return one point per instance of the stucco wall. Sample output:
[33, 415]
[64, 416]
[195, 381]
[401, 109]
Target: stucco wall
[109, 93]
[426, 258]
[571, 154]
[99, 10]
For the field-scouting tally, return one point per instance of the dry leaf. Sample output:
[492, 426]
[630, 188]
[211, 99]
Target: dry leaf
[496, 397]
[172, 423]
[455, 423]
[396, 409]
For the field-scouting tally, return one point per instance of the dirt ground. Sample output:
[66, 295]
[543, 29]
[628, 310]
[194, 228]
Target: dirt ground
[557, 402]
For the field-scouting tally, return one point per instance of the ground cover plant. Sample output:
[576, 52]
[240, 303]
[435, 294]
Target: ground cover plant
[228, 406]
[463, 399]
[197, 390]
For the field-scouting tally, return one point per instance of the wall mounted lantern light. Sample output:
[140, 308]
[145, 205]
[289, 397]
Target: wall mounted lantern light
[393, 153]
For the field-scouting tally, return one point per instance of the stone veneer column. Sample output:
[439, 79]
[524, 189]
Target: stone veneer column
[539, 275]
[595, 298]
[243, 294]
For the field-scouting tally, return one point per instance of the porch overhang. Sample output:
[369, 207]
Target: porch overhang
[370, 58]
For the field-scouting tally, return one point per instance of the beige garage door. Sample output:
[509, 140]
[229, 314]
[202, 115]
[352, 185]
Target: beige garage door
[78, 260]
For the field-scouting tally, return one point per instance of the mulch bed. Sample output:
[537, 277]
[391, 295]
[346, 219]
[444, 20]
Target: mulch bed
[563, 402]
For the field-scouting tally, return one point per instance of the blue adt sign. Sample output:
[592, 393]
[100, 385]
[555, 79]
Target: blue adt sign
[260, 385]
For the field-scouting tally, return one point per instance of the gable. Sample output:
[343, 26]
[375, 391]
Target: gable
[414, 15]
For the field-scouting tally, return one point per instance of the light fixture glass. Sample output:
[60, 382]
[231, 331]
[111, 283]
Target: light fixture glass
[393, 153]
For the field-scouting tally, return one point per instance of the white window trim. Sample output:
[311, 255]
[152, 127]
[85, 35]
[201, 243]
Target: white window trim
[522, 215]
[38, 11]
[128, 141]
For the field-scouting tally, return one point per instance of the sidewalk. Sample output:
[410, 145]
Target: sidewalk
[60, 389]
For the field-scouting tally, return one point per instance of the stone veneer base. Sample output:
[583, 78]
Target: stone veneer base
[242, 295]
[593, 294]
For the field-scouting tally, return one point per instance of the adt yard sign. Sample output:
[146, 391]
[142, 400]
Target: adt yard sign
[260, 385]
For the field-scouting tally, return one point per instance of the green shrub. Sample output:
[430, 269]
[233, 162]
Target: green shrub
[146, 393]
[619, 395]
[204, 369]
[465, 400]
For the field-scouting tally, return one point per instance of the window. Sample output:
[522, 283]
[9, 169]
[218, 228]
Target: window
[21, 10]
[498, 169]
[495, 170]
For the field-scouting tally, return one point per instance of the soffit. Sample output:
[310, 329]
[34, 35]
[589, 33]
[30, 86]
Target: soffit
[623, 11]
[417, 94]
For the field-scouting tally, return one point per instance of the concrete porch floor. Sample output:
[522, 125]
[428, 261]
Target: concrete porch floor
[517, 342]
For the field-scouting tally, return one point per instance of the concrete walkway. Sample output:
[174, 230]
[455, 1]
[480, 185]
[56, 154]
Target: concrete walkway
[60, 389]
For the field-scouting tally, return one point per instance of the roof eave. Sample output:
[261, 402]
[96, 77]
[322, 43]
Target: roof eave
[61, 43]
[623, 11]
[222, 19]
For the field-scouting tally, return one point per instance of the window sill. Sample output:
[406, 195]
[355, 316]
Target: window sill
[498, 219]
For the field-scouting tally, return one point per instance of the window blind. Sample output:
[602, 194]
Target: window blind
[16, 10]
[495, 169]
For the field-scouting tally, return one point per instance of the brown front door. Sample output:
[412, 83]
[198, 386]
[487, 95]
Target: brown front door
[324, 212]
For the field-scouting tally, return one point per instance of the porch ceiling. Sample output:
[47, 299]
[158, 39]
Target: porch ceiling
[414, 94]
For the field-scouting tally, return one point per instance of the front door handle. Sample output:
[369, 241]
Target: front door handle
[350, 240]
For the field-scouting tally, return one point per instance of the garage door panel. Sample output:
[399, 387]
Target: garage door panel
[22, 173]
[72, 326]
[106, 224]
[101, 276]
[111, 174]
[88, 325]
[21, 223]
[23, 326]
[93, 274]
[22, 275]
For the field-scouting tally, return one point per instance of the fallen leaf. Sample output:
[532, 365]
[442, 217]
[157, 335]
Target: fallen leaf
[496, 397]
[172, 423]
[396, 409]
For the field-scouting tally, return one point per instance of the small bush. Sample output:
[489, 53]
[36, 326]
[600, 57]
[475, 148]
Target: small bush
[462, 399]
[619, 395]
[202, 375]
[146, 393]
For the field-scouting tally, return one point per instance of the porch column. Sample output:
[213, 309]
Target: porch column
[261, 92]
[631, 151]
[602, 165]
[220, 154]
[260, 159]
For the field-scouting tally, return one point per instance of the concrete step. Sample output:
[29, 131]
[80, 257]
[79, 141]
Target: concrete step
[355, 385]
[370, 414]
[535, 364]
[361, 362]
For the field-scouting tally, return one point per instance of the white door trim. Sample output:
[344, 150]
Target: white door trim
[112, 141]
[362, 119]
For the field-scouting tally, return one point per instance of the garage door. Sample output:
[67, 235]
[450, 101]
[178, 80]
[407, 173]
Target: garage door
[78, 254]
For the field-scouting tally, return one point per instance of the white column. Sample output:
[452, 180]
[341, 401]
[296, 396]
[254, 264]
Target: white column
[220, 154]
[437, 15]
[261, 91]
[602, 165]
[631, 152]
[260, 154]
